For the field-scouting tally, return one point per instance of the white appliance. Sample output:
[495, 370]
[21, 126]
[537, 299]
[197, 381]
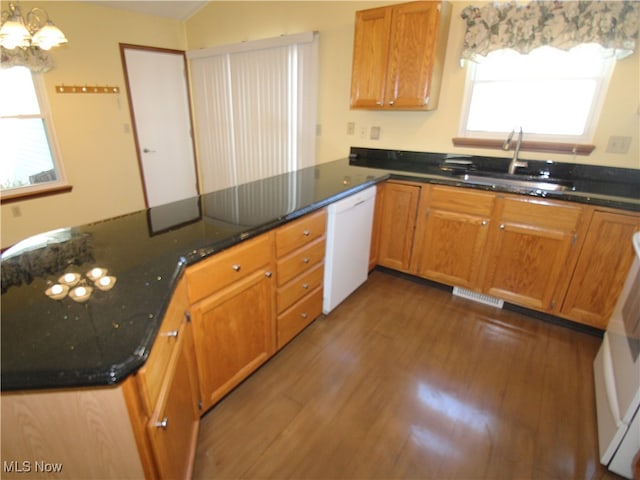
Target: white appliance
[617, 378]
[349, 224]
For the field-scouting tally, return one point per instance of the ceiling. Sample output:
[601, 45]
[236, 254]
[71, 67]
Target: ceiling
[177, 9]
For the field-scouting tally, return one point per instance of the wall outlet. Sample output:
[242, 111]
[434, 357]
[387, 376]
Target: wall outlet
[618, 144]
[375, 133]
[351, 128]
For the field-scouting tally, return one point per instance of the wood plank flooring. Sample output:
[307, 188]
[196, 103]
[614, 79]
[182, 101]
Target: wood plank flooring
[404, 381]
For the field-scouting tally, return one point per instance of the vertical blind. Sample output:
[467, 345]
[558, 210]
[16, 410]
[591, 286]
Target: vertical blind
[254, 108]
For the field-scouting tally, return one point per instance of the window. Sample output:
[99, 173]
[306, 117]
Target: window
[254, 108]
[29, 162]
[554, 95]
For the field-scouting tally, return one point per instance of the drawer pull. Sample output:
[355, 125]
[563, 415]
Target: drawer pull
[483, 223]
[236, 267]
[306, 233]
[305, 260]
[164, 423]
[304, 315]
[305, 286]
[502, 226]
[172, 333]
[268, 274]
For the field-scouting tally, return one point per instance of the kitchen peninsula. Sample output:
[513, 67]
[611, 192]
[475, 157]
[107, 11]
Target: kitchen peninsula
[65, 346]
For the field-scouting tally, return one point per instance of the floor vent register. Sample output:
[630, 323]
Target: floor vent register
[478, 297]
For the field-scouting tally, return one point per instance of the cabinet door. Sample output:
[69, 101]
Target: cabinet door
[414, 33]
[528, 250]
[234, 333]
[173, 429]
[453, 231]
[370, 57]
[397, 224]
[604, 261]
[375, 230]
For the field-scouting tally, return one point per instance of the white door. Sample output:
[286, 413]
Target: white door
[157, 87]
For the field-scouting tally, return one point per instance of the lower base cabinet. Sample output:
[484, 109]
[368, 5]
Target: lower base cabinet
[173, 428]
[604, 260]
[529, 248]
[451, 235]
[234, 334]
[557, 257]
[300, 250]
[396, 224]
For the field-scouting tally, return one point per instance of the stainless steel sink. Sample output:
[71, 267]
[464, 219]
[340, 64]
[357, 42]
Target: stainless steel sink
[521, 181]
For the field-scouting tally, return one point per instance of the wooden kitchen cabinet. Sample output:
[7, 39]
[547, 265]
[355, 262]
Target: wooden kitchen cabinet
[528, 252]
[398, 54]
[451, 234]
[398, 214]
[173, 428]
[300, 251]
[234, 327]
[374, 251]
[601, 269]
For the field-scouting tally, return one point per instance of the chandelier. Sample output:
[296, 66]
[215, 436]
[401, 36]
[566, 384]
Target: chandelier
[37, 31]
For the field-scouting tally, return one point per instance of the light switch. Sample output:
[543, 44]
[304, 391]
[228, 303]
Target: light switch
[618, 144]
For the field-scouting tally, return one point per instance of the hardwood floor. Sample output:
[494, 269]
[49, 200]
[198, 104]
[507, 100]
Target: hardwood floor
[405, 381]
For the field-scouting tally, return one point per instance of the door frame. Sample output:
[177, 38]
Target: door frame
[134, 129]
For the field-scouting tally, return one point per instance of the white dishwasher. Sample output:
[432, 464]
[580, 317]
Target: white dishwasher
[349, 224]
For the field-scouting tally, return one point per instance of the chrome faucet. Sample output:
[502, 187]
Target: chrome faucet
[515, 163]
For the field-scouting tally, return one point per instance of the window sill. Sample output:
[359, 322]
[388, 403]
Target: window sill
[528, 146]
[41, 192]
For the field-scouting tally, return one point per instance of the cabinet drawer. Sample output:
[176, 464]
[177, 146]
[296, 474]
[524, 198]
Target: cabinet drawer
[300, 232]
[460, 200]
[291, 322]
[299, 287]
[294, 264]
[221, 270]
[545, 214]
[152, 373]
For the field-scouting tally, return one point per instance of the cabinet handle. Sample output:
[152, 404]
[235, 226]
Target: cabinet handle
[305, 286]
[305, 260]
[304, 315]
[379, 103]
[172, 333]
[391, 102]
[236, 267]
[483, 223]
[502, 226]
[306, 233]
[268, 274]
[164, 423]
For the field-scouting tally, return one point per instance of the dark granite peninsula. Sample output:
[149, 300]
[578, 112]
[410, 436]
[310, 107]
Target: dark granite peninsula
[55, 343]
[48, 343]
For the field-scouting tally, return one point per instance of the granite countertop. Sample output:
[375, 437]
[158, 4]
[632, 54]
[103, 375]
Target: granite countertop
[593, 185]
[48, 343]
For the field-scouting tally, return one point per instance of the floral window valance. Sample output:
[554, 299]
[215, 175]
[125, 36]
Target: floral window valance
[35, 59]
[560, 24]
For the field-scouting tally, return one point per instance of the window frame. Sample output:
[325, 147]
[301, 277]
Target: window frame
[60, 185]
[550, 143]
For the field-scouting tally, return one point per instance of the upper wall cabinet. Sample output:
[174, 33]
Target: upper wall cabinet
[398, 54]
